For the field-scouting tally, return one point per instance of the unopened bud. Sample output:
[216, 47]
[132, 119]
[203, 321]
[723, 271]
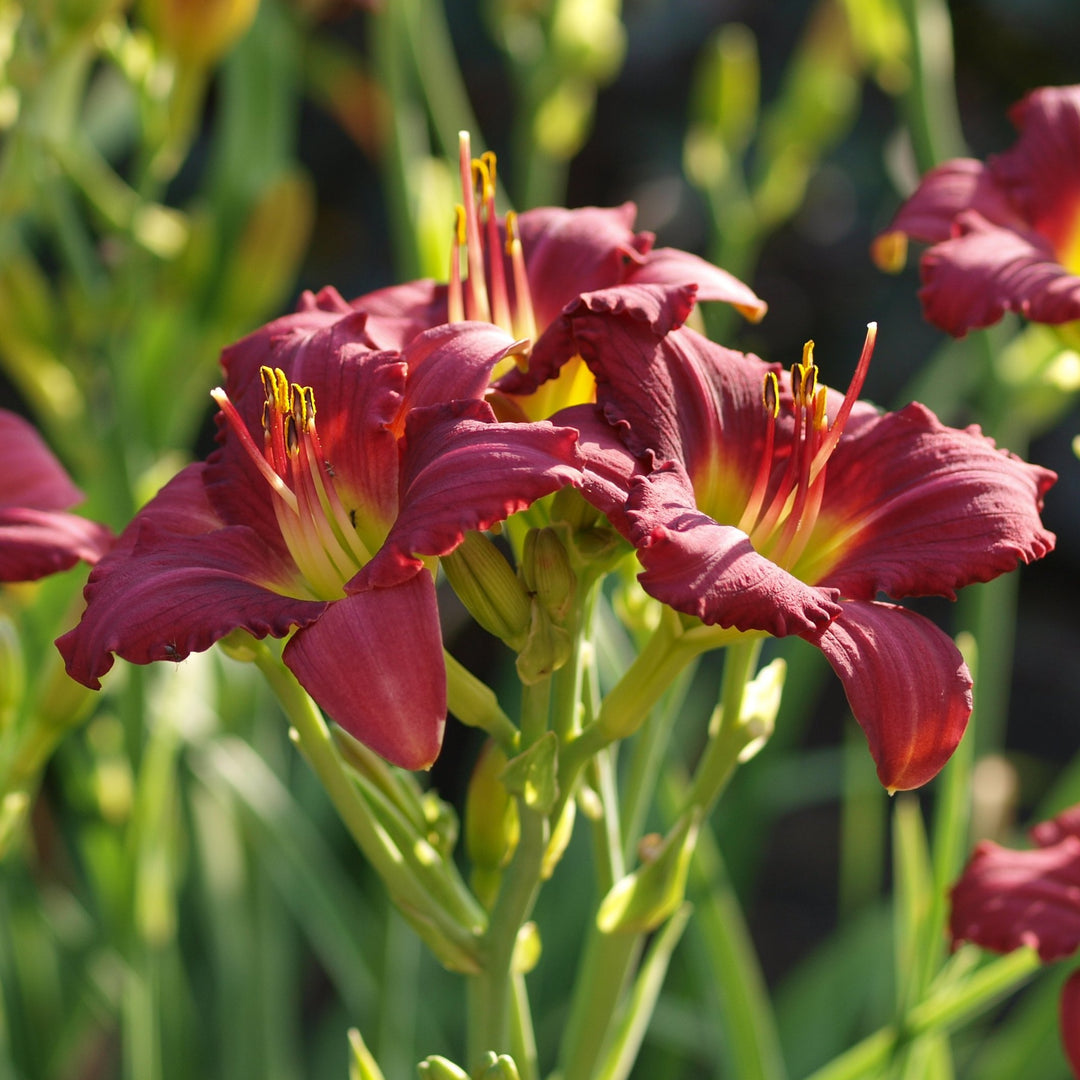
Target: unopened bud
[547, 647]
[362, 1065]
[491, 818]
[488, 587]
[641, 901]
[437, 1067]
[501, 1068]
[545, 566]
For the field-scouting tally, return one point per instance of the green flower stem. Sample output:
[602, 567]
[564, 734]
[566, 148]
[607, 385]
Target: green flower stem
[605, 968]
[930, 107]
[522, 1036]
[747, 1019]
[722, 753]
[650, 980]
[940, 1012]
[492, 992]
[647, 758]
[453, 943]
[569, 681]
[474, 703]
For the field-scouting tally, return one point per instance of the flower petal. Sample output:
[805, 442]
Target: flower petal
[570, 252]
[31, 476]
[948, 190]
[374, 663]
[702, 568]
[176, 583]
[972, 279]
[452, 362]
[1069, 1013]
[670, 266]
[34, 543]
[918, 509]
[907, 685]
[1067, 823]
[460, 471]
[1040, 171]
[396, 314]
[1007, 899]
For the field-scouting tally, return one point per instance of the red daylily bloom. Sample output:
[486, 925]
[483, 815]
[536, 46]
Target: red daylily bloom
[1005, 235]
[36, 536]
[1007, 899]
[316, 523]
[791, 514]
[523, 270]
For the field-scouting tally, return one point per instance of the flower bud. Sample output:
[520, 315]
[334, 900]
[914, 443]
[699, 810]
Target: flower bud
[488, 587]
[436, 1067]
[641, 901]
[362, 1066]
[491, 823]
[501, 1067]
[547, 647]
[545, 566]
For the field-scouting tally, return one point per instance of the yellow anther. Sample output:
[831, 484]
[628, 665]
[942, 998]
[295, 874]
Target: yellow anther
[459, 223]
[488, 159]
[770, 394]
[797, 373]
[511, 231]
[808, 353]
[820, 421]
[481, 178]
[808, 385]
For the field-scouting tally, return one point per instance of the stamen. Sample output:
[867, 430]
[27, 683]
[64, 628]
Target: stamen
[770, 395]
[455, 303]
[500, 305]
[525, 320]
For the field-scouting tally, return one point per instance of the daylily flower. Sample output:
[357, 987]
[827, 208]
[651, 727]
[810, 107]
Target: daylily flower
[1007, 899]
[523, 270]
[339, 468]
[37, 537]
[760, 500]
[1005, 235]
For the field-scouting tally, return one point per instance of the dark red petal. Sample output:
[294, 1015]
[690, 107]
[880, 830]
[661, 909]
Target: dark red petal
[650, 311]
[670, 266]
[1007, 899]
[907, 685]
[374, 663]
[608, 468]
[702, 568]
[1067, 823]
[34, 543]
[396, 314]
[31, 475]
[463, 471]
[944, 193]
[1041, 171]
[971, 280]
[175, 584]
[570, 252]
[452, 362]
[929, 508]
[1069, 1013]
